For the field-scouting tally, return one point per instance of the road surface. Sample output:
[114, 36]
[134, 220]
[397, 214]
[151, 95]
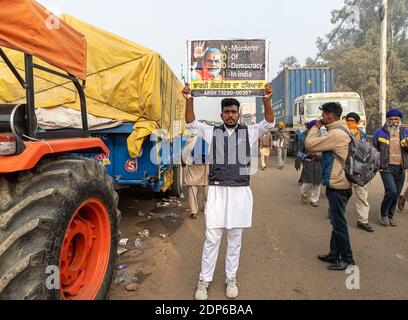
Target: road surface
[278, 258]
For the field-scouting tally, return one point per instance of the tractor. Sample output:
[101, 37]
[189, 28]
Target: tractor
[58, 212]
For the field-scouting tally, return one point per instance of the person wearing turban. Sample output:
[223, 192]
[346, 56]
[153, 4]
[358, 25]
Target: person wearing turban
[282, 144]
[391, 141]
[362, 206]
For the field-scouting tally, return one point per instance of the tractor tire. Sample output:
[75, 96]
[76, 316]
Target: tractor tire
[176, 188]
[58, 231]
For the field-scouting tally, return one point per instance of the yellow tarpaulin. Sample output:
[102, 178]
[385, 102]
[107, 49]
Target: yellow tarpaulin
[124, 81]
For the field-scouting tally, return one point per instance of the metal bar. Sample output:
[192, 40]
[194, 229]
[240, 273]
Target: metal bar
[13, 69]
[79, 88]
[133, 182]
[62, 75]
[82, 98]
[62, 134]
[30, 106]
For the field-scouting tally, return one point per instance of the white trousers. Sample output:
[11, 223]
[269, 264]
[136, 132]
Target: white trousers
[362, 205]
[211, 249]
[265, 153]
[314, 190]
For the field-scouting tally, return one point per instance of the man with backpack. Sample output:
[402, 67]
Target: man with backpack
[361, 192]
[335, 148]
[392, 142]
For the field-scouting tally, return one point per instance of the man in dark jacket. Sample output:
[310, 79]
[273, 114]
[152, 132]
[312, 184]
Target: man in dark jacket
[392, 142]
[311, 177]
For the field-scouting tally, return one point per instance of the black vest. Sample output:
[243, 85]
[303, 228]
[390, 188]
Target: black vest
[200, 152]
[231, 158]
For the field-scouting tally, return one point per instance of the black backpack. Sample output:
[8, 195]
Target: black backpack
[363, 160]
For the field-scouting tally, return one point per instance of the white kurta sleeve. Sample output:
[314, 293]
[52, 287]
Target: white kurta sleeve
[204, 131]
[256, 131]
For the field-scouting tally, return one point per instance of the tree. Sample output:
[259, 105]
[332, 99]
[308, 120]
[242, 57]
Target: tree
[354, 53]
[318, 64]
[308, 62]
[289, 62]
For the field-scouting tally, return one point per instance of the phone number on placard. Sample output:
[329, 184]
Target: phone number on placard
[227, 93]
[234, 93]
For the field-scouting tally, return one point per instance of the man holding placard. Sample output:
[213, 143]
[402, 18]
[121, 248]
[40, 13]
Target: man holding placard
[230, 201]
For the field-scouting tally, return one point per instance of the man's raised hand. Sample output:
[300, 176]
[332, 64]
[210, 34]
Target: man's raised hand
[319, 124]
[187, 92]
[268, 92]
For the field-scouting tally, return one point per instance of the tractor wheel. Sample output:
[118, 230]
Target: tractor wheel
[58, 231]
[176, 188]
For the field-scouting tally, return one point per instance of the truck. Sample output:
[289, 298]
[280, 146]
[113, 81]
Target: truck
[133, 85]
[140, 89]
[157, 168]
[298, 94]
[59, 216]
[291, 84]
[306, 107]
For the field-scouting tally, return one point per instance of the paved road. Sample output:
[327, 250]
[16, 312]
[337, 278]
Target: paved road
[278, 259]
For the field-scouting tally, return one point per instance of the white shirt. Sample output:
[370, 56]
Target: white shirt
[229, 207]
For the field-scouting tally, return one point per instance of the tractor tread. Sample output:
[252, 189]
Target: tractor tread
[36, 210]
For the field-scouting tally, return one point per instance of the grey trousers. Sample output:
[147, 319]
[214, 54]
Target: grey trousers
[282, 155]
[362, 205]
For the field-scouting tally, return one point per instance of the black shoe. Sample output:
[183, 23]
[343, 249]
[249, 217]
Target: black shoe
[365, 227]
[340, 265]
[327, 258]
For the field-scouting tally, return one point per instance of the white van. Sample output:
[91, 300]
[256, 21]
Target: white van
[306, 107]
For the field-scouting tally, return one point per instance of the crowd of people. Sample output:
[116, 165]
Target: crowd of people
[320, 155]
[390, 140]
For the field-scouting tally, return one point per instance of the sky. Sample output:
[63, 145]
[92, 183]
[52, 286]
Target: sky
[164, 26]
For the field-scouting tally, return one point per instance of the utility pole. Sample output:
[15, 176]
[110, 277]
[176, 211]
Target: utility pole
[383, 62]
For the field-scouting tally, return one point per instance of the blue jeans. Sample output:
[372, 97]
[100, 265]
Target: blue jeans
[393, 183]
[340, 246]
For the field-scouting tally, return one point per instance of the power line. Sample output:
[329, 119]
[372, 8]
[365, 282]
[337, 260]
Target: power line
[333, 35]
[292, 83]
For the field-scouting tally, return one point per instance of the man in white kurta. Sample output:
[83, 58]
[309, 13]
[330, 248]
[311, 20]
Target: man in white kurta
[227, 208]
